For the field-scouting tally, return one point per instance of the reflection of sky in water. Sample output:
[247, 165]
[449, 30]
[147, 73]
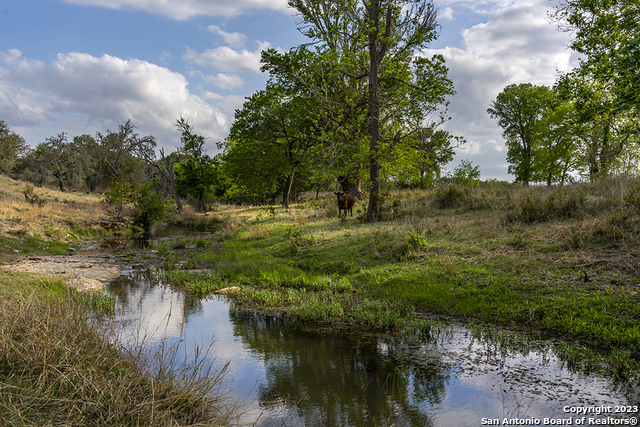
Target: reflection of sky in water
[327, 379]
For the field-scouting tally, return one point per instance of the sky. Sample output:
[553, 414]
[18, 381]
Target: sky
[87, 66]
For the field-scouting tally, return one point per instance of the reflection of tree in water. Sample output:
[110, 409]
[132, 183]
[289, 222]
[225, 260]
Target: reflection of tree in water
[135, 288]
[338, 379]
[192, 305]
[126, 288]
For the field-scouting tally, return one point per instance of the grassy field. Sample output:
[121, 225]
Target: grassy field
[562, 262]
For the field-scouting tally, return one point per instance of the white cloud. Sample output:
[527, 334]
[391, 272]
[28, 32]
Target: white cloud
[227, 104]
[224, 58]
[232, 39]
[225, 81]
[446, 14]
[165, 56]
[479, 6]
[185, 9]
[516, 45]
[83, 93]
[10, 57]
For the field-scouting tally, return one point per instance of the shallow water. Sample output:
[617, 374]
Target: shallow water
[159, 232]
[289, 374]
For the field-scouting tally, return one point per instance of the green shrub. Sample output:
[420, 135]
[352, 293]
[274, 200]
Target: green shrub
[561, 205]
[452, 196]
[148, 206]
[416, 241]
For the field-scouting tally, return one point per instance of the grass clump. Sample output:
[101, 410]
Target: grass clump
[202, 283]
[58, 366]
[451, 196]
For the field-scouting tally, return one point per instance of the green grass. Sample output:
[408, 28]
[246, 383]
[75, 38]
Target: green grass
[561, 262]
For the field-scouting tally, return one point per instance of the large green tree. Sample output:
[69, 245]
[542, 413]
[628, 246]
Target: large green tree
[556, 153]
[606, 84]
[428, 152]
[520, 110]
[606, 136]
[271, 144]
[376, 41]
[333, 118]
[12, 146]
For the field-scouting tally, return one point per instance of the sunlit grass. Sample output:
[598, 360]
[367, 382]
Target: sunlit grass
[62, 216]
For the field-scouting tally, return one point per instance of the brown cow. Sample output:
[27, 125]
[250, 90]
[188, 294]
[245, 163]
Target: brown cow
[345, 202]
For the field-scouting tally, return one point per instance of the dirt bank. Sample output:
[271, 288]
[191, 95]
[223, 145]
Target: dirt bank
[86, 273]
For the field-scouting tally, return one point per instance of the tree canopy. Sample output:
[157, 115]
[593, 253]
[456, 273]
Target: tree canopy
[376, 42]
[606, 31]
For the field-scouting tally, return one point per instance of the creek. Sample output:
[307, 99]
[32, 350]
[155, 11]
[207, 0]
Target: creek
[292, 374]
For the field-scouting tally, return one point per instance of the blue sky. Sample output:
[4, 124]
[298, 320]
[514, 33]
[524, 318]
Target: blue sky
[83, 66]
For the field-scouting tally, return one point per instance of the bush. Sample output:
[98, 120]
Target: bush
[148, 207]
[534, 208]
[451, 196]
[572, 206]
[31, 197]
[416, 241]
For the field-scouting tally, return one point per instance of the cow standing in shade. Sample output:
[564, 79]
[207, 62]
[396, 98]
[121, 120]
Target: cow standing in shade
[345, 202]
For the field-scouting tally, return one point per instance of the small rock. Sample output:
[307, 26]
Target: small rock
[225, 291]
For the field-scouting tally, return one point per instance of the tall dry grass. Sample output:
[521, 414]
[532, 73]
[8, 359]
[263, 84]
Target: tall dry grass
[55, 215]
[59, 367]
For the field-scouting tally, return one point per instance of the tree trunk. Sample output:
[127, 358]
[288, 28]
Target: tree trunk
[374, 112]
[286, 196]
[356, 190]
[59, 179]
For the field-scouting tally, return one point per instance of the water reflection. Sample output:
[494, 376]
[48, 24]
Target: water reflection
[159, 232]
[290, 374]
[338, 380]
